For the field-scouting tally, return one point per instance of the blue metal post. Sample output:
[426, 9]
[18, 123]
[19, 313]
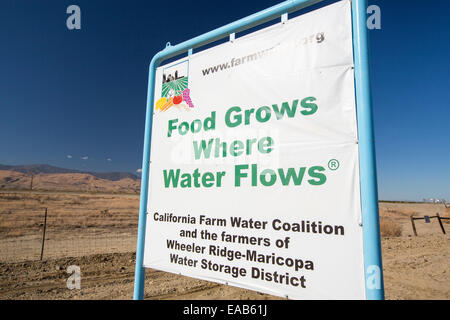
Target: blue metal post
[139, 278]
[368, 175]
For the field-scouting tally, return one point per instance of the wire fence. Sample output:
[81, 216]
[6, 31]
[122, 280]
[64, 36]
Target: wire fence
[75, 225]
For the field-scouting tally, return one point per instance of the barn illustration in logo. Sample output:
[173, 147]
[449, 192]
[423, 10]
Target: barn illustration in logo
[175, 92]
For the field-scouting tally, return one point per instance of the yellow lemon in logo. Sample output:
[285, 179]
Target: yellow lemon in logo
[161, 102]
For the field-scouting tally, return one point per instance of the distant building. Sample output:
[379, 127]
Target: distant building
[434, 200]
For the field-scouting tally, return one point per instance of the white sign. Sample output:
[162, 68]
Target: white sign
[254, 173]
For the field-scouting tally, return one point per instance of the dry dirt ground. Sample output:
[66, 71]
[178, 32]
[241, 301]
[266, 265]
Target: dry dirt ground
[76, 225]
[415, 267]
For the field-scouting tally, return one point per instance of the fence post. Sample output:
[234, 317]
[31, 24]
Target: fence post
[413, 226]
[440, 222]
[43, 234]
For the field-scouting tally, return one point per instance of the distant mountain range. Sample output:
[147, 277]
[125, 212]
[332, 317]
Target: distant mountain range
[35, 169]
[43, 177]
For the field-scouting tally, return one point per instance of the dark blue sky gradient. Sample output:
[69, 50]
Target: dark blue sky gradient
[83, 92]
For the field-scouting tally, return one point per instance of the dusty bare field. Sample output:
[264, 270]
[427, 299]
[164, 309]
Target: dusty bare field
[97, 232]
[77, 224]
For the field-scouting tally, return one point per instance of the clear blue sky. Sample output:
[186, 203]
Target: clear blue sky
[82, 93]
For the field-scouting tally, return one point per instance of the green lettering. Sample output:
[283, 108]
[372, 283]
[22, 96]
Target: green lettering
[237, 119]
[273, 177]
[238, 174]
[285, 108]
[236, 148]
[202, 149]
[314, 172]
[292, 175]
[208, 179]
[267, 114]
[307, 104]
[171, 128]
[186, 180]
[265, 145]
[170, 178]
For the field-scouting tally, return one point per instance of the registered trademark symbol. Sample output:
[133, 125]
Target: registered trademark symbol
[333, 164]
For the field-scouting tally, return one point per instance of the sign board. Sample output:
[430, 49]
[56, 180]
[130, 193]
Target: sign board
[254, 167]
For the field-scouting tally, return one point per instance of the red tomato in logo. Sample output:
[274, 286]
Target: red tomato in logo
[177, 99]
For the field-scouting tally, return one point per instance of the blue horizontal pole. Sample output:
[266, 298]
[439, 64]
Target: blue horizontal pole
[368, 174]
[234, 27]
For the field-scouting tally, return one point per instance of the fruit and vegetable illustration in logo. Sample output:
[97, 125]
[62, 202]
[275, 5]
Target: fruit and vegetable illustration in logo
[175, 91]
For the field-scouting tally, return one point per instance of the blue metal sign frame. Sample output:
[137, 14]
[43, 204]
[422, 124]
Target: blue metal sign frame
[368, 178]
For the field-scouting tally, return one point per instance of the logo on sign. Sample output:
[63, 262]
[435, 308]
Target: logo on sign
[175, 91]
